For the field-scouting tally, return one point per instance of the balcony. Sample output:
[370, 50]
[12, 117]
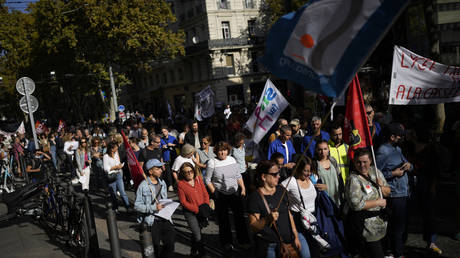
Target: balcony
[219, 43]
[223, 4]
[249, 4]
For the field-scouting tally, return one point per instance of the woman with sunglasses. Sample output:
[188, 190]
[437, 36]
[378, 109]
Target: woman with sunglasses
[83, 160]
[271, 224]
[302, 195]
[195, 200]
[97, 152]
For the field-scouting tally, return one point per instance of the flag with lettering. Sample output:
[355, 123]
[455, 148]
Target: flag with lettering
[61, 125]
[204, 104]
[356, 131]
[40, 127]
[271, 104]
[137, 174]
[324, 43]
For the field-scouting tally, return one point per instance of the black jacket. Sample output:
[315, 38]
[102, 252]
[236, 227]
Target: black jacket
[190, 138]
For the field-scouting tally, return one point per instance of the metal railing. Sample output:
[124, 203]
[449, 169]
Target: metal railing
[223, 4]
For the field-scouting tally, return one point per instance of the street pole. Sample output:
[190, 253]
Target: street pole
[114, 93]
[31, 116]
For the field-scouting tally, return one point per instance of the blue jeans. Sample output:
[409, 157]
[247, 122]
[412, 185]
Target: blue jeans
[304, 252]
[118, 185]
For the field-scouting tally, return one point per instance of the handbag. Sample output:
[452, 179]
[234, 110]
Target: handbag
[112, 177]
[286, 250]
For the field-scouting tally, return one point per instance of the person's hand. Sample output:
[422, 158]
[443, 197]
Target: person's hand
[382, 202]
[321, 187]
[380, 182]
[243, 192]
[274, 215]
[164, 146]
[159, 206]
[398, 172]
[194, 160]
[406, 166]
[297, 243]
[290, 165]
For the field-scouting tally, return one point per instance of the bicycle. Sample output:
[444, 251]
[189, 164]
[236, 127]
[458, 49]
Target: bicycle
[77, 226]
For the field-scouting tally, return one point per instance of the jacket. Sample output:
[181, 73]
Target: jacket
[190, 138]
[277, 146]
[191, 197]
[328, 217]
[306, 140]
[144, 204]
[340, 155]
[389, 158]
[80, 159]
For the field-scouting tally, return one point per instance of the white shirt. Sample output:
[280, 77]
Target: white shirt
[70, 147]
[308, 195]
[227, 113]
[287, 152]
[110, 162]
[179, 161]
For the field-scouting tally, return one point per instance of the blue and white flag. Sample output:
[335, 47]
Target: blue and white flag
[271, 104]
[324, 43]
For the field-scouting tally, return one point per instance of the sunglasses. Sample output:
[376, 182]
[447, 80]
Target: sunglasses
[369, 112]
[273, 174]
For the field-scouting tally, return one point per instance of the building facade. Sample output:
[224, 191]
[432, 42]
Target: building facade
[222, 46]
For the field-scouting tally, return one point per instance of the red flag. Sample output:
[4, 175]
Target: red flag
[356, 128]
[40, 127]
[137, 174]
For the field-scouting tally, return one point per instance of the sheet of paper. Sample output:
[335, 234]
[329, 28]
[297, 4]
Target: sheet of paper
[168, 210]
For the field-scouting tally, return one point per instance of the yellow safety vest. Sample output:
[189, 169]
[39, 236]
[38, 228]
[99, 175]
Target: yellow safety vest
[340, 154]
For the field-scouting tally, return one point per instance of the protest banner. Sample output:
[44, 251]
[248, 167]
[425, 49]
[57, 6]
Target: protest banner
[323, 44]
[271, 104]
[417, 80]
[204, 104]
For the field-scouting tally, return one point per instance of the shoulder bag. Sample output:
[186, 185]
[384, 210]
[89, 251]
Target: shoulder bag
[286, 250]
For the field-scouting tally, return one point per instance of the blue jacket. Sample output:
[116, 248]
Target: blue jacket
[143, 203]
[331, 226]
[311, 150]
[277, 146]
[388, 158]
[167, 152]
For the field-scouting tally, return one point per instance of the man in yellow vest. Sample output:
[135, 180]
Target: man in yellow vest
[339, 149]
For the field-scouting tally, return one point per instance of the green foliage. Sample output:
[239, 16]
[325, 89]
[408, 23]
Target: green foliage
[79, 39]
[272, 10]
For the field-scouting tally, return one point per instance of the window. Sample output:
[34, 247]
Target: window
[223, 4]
[226, 30]
[229, 60]
[172, 76]
[251, 27]
[181, 74]
[249, 4]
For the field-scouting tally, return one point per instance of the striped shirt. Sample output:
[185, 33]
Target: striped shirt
[223, 174]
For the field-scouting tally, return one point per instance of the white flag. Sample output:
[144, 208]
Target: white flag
[204, 104]
[269, 108]
[21, 129]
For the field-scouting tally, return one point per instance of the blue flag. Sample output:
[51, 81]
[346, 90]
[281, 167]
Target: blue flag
[324, 43]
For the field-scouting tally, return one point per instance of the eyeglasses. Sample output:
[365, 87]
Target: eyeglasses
[369, 112]
[83, 142]
[273, 174]
[158, 142]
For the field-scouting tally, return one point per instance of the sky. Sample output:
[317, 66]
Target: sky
[19, 5]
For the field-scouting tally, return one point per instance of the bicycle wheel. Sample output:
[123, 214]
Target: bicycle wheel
[82, 237]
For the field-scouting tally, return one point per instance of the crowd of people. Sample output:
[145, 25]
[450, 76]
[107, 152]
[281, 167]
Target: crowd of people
[321, 204]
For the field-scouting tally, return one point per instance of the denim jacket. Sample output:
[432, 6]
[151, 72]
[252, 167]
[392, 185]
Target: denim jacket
[388, 159]
[80, 159]
[143, 203]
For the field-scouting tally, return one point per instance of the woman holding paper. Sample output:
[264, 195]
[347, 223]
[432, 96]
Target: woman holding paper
[195, 200]
[148, 196]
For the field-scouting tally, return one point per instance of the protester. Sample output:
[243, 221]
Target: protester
[83, 160]
[193, 136]
[34, 163]
[269, 215]
[194, 197]
[302, 195]
[284, 146]
[366, 221]
[112, 165]
[205, 153]
[329, 173]
[374, 126]
[338, 149]
[168, 145]
[97, 154]
[278, 158]
[148, 196]
[273, 136]
[144, 140]
[395, 168]
[226, 185]
[186, 155]
[297, 135]
[310, 140]
[70, 145]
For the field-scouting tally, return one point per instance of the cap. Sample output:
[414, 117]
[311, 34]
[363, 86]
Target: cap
[153, 163]
[295, 122]
[396, 129]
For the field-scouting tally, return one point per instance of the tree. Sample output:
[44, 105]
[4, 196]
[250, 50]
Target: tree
[79, 39]
[271, 10]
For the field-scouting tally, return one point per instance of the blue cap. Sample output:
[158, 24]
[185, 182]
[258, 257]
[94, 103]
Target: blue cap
[153, 163]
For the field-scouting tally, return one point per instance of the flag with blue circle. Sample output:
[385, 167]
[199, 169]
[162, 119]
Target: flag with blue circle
[324, 43]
